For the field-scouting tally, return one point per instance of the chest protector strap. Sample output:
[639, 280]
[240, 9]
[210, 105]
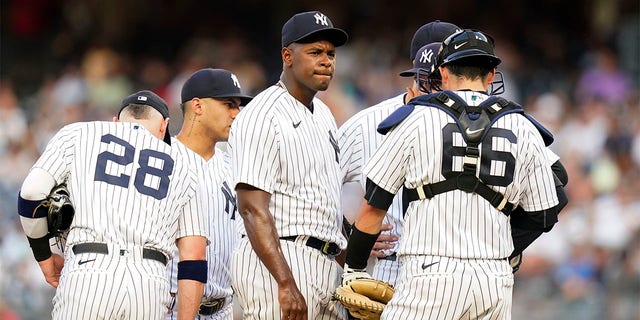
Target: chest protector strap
[473, 123]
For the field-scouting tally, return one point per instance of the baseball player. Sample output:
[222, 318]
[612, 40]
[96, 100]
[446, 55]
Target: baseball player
[287, 178]
[462, 187]
[211, 99]
[135, 199]
[358, 139]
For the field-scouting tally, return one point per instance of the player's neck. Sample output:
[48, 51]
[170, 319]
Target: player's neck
[300, 93]
[198, 143]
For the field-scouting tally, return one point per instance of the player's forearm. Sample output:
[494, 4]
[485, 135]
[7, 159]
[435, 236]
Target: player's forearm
[192, 274]
[365, 233]
[189, 297]
[253, 206]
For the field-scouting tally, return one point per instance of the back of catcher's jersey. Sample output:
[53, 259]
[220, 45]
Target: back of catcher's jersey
[128, 187]
[428, 146]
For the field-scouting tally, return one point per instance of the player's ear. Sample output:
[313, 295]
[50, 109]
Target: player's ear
[115, 119]
[196, 106]
[444, 73]
[490, 76]
[164, 125]
[286, 56]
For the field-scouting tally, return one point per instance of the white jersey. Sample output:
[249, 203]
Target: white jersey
[219, 205]
[279, 146]
[358, 140]
[459, 224]
[128, 187]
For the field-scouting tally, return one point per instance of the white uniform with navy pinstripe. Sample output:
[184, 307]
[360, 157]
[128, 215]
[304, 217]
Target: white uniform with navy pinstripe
[358, 139]
[280, 147]
[219, 205]
[131, 192]
[454, 245]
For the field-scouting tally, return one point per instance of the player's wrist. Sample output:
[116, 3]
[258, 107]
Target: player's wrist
[359, 248]
[40, 247]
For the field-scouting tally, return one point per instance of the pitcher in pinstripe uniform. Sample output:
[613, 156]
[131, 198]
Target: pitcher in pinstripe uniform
[211, 99]
[456, 241]
[285, 165]
[358, 139]
[134, 199]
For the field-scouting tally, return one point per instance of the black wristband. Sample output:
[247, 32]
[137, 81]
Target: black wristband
[359, 247]
[40, 247]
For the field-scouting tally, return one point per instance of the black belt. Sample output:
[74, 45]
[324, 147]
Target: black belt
[212, 306]
[95, 247]
[326, 247]
[391, 257]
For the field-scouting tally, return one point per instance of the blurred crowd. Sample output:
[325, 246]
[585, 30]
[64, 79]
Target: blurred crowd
[587, 267]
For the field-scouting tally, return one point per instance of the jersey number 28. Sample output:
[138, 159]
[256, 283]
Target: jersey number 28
[145, 169]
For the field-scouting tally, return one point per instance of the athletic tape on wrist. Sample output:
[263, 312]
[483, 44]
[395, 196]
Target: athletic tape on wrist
[193, 270]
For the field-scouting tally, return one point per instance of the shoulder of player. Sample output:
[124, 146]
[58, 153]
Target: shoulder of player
[382, 109]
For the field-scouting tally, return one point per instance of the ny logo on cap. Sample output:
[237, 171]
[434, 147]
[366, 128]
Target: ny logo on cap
[235, 80]
[142, 98]
[321, 19]
[426, 56]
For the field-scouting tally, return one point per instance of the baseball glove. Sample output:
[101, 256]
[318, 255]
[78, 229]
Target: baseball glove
[364, 298]
[60, 214]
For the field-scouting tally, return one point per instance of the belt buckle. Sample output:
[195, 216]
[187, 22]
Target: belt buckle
[211, 306]
[325, 248]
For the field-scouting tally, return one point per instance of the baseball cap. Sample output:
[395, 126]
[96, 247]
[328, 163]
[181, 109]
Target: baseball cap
[435, 31]
[426, 59]
[213, 83]
[312, 23]
[148, 98]
[466, 44]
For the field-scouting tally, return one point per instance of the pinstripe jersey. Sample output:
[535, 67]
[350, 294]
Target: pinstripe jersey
[219, 205]
[128, 187]
[279, 146]
[358, 139]
[459, 224]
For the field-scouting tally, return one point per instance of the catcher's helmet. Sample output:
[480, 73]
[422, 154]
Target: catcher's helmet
[468, 44]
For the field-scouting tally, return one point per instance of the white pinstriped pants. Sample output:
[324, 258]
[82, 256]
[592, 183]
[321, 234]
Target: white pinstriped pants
[386, 270]
[109, 286]
[432, 287]
[315, 274]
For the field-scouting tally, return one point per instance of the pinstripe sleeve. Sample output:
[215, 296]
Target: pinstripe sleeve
[254, 149]
[351, 151]
[58, 155]
[387, 166]
[539, 191]
[191, 220]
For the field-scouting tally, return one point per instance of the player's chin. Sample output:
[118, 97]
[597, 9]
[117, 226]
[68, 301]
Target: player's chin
[323, 82]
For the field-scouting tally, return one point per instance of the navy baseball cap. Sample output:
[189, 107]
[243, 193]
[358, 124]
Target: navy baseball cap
[426, 59]
[435, 31]
[468, 44]
[213, 83]
[312, 23]
[148, 98]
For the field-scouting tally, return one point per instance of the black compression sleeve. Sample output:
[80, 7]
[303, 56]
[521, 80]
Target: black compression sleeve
[40, 247]
[377, 196]
[560, 172]
[359, 247]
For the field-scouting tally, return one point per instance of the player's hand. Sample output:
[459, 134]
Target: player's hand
[51, 269]
[292, 303]
[384, 242]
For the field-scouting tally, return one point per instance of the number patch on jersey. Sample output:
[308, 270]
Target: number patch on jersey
[488, 155]
[146, 170]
